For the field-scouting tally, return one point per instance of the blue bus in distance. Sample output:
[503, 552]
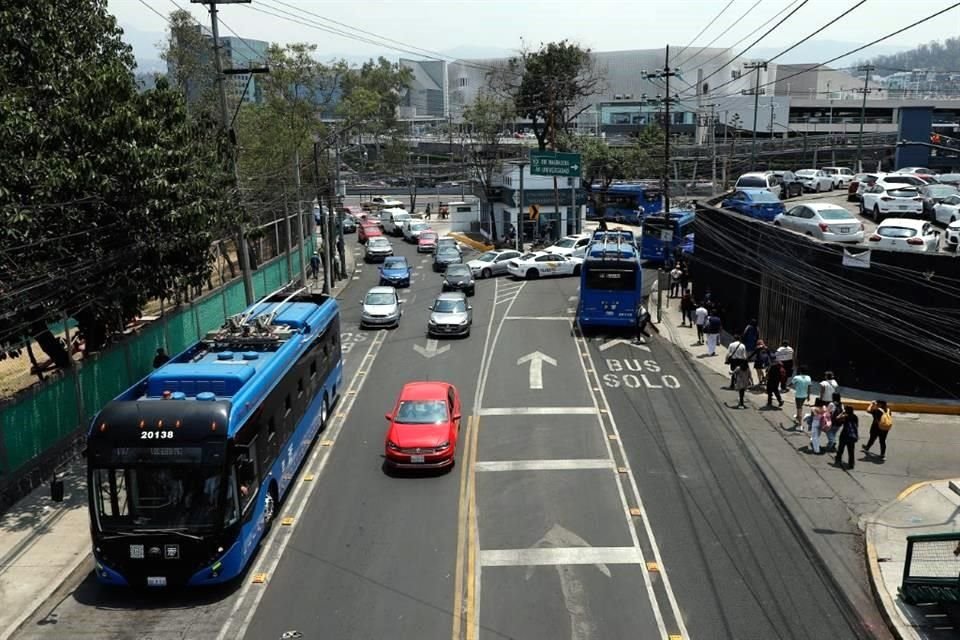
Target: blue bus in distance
[626, 203]
[611, 282]
[186, 469]
[661, 234]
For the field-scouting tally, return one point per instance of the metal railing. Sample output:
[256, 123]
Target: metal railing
[931, 572]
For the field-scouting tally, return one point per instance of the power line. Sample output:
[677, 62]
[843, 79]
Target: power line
[722, 33]
[156, 11]
[702, 31]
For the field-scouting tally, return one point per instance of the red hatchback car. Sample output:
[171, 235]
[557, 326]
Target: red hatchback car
[368, 230]
[427, 242]
[423, 427]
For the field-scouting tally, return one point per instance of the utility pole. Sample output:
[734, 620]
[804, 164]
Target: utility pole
[324, 226]
[713, 144]
[867, 69]
[300, 229]
[336, 174]
[242, 248]
[519, 231]
[755, 66]
[665, 74]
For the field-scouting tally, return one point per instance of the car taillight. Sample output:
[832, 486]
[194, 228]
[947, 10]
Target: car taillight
[874, 238]
[915, 241]
[824, 226]
[886, 198]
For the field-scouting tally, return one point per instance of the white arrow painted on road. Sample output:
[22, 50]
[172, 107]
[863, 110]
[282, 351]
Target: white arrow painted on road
[536, 360]
[613, 343]
[570, 585]
[431, 349]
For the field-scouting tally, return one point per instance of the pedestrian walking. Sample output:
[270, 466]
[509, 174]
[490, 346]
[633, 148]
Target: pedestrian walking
[687, 308]
[784, 356]
[880, 427]
[712, 329]
[750, 335]
[821, 421]
[736, 357]
[774, 378]
[837, 416]
[801, 388]
[602, 226]
[762, 359]
[700, 315]
[675, 274]
[315, 265]
[426, 212]
[849, 434]
[741, 382]
[642, 321]
[160, 359]
[828, 387]
[684, 276]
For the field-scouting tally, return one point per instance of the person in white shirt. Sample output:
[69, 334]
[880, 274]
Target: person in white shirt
[784, 356]
[828, 387]
[736, 358]
[700, 316]
[675, 275]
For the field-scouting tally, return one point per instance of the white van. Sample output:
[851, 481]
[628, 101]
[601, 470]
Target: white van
[392, 221]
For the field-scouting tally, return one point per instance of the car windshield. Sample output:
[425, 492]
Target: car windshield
[896, 232]
[428, 235]
[835, 214]
[381, 298]
[487, 257]
[764, 196]
[528, 256]
[154, 496]
[417, 226]
[449, 306]
[458, 271]
[379, 242]
[395, 263]
[447, 252]
[565, 243]
[422, 412]
[954, 199]
[751, 181]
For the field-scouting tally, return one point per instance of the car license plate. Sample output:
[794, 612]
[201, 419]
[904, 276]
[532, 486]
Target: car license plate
[416, 459]
[844, 229]
[156, 581]
[903, 206]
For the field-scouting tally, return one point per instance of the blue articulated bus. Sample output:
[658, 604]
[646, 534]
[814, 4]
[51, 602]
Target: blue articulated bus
[611, 282]
[187, 467]
[661, 234]
[626, 203]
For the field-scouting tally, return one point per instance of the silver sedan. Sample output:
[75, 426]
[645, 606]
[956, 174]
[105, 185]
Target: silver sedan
[822, 220]
[492, 263]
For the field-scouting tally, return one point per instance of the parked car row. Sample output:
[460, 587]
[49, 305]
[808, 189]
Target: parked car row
[789, 184]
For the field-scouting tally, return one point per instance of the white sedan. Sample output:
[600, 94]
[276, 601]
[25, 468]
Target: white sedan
[568, 245]
[814, 180]
[822, 220]
[906, 234]
[542, 263]
[948, 210]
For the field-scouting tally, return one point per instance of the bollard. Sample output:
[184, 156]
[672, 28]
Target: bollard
[56, 488]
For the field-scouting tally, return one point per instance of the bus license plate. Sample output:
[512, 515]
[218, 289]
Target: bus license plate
[156, 581]
[416, 459]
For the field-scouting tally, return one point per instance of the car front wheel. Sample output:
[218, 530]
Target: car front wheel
[877, 217]
[532, 274]
[486, 273]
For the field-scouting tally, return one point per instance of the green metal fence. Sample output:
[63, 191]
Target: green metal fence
[47, 414]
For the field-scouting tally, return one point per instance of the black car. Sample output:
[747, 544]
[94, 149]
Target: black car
[458, 277]
[445, 256]
[349, 223]
[790, 186]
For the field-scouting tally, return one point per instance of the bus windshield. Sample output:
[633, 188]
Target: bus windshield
[157, 497]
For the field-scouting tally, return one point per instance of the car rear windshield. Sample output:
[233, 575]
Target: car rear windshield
[903, 193]
[422, 412]
[565, 243]
[896, 232]
[940, 191]
[395, 263]
[836, 214]
[458, 270]
[903, 180]
[450, 306]
[752, 181]
[764, 196]
[807, 173]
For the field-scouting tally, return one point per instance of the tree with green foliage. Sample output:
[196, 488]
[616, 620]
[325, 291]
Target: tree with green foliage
[108, 197]
[487, 120]
[549, 87]
[189, 56]
[371, 96]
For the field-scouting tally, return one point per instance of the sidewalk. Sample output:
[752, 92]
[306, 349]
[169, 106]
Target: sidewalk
[43, 543]
[831, 505]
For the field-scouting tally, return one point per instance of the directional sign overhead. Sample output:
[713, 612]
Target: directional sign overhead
[551, 163]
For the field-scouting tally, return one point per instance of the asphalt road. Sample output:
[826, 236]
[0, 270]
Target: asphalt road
[599, 493]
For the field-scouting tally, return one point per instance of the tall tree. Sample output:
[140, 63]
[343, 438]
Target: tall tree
[487, 120]
[189, 57]
[107, 197]
[372, 95]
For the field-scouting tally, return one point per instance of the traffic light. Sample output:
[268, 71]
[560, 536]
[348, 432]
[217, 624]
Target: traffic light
[534, 212]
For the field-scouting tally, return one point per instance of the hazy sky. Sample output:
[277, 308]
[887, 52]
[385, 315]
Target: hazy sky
[472, 27]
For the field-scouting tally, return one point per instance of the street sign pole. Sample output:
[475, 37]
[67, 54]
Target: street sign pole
[519, 229]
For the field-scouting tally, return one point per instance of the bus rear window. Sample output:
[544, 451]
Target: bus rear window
[611, 280]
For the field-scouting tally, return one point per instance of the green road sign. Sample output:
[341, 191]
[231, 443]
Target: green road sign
[551, 163]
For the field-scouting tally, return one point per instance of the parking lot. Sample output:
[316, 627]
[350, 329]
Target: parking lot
[839, 198]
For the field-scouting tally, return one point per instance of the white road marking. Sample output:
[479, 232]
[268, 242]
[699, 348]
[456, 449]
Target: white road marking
[543, 465]
[572, 299]
[356, 277]
[536, 360]
[560, 556]
[564, 318]
[537, 411]
[613, 343]
[272, 548]
[431, 349]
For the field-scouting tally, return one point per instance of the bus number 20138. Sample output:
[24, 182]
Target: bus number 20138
[156, 435]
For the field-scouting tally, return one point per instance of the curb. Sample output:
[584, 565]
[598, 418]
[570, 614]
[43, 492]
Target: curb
[909, 407]
[470, 242]
[52, 587]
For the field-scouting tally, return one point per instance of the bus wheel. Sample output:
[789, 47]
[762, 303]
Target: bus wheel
[576, 270]
[486, 273]
[532, 274]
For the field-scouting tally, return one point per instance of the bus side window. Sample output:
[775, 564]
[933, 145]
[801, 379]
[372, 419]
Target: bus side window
[246, 470]
[232, 513]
